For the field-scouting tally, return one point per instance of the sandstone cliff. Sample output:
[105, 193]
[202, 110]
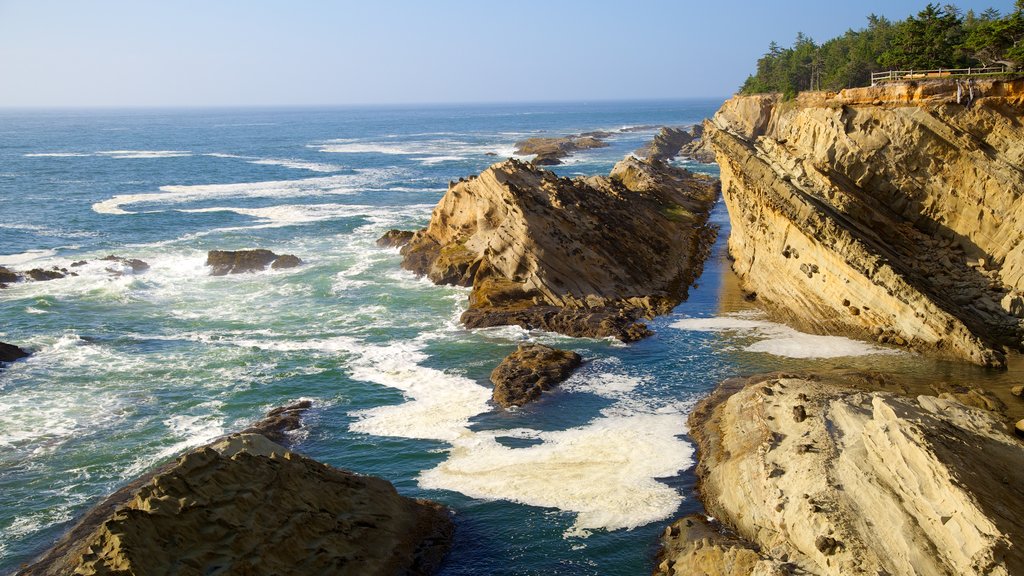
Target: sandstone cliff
[890, 213]
[246, 505]
[818, 476]
[584, 257]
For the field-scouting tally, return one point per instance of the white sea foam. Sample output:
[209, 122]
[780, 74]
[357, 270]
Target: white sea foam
[202, 427]
[324, 185]
[781, 340]
[57, 154]
[143, 154]
[25, 257]
[604, 472]
[435, 151]
[284, 162]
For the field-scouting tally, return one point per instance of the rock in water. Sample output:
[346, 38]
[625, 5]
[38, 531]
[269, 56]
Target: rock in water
[395, 238]
[10, 352]
[550, 151]
[532, 369]
[889, 213]
[667, 144]
[583, 257]
[134, 263]
[245, 505]
[695, 546]
[867, 483]
[224, 262]
[8, 276]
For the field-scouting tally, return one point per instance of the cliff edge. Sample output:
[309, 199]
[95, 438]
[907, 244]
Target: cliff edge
[893, 213]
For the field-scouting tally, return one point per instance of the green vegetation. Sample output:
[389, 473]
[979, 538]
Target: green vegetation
[937, 37]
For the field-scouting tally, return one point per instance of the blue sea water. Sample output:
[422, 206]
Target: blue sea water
[130, 370]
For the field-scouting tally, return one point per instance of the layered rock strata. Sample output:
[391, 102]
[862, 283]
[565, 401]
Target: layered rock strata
[223, 262]
[819, 476]
[890, 213]
[530, 371]
[583, 256]
[246, 505]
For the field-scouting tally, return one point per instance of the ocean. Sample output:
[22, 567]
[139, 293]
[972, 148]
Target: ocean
[129, 370]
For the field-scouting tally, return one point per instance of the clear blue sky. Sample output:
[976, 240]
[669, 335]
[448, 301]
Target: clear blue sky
[312, 52]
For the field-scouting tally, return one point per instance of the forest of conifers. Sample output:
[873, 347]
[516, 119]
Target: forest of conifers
[939, 36]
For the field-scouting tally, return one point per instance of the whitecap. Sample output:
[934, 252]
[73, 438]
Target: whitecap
[781, 340]
[25, 257]
[56, 155]
[143, 154]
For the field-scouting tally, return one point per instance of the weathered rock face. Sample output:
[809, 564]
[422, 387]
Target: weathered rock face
[223, 262]
[10, 352]
[395, 238]
[550, 151]
[245, 505]
[584, 257]
[891, 213]
[667, 144]
[836, 480]
[695, 546]
[529, 371]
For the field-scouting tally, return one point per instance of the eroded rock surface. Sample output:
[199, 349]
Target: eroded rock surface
[583, 257]
[395, 238]
[246, 505]
[549, 151]
[667, 143]
[529, 371]
[889, 213]
[223, 262]
[695, 546]
[832, 479]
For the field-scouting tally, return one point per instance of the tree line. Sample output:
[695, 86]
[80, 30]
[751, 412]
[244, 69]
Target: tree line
[939, 36]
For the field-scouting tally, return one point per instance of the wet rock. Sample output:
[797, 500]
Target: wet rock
[395, 238]
[224, 262]
[8, 276]
[134, 263]
[286, 261]
[583, 257]
[1017, 391]
[245, 505]
[10, 352]
[529, 371]
[279, 421]
[42, 275]
[550, 151]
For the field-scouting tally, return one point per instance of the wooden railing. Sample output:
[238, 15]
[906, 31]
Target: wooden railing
[896, 75]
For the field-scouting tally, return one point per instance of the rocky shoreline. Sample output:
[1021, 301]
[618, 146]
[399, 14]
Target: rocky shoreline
[583, 257]
[245, 504]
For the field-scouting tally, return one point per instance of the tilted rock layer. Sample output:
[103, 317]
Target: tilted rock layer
[245, 505]
[891, 213]
[827, 478]
[584, 257]
[530, 371]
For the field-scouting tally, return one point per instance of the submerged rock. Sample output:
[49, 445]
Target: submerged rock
[866, 483]
[532, 369]
[10, 352]
[42, 275]
[223, 262]
[134, 263]
[246, 505]
[583, 257]
[890, 213]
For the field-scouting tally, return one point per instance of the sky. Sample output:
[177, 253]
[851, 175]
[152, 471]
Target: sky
[189, 53]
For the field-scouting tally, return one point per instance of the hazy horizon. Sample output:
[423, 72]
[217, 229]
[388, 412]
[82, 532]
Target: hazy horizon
[261, 54]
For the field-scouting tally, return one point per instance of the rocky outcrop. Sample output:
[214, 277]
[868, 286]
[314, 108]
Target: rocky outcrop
[667, 144]
[699, 148]
[583, 257]
[395, 238]
[134, 264]
[550, 151]
[529, 371]
[119, 266]
[697, 546]
[246, 505]
[223, 262]
[822, 476]
[891, 213]
[10, 353]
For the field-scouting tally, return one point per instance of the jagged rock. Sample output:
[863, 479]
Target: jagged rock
[584, 256]
[245, 505]
[8, 276]
[874, 482]
[395, 238]
[532, 369]
[42, 275]
[286, 261]
[909, 204]
[134, 263]
[550, 151]
[667, 144]
[1017, 391]
[10, 352]
[279, 421]
[696, 546]
[225, 262]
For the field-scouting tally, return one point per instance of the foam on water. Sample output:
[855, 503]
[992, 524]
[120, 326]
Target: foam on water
[26, 257]
[324, 185]
[56, 155]
[284, 162]
[781, 340]
[143, 154]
